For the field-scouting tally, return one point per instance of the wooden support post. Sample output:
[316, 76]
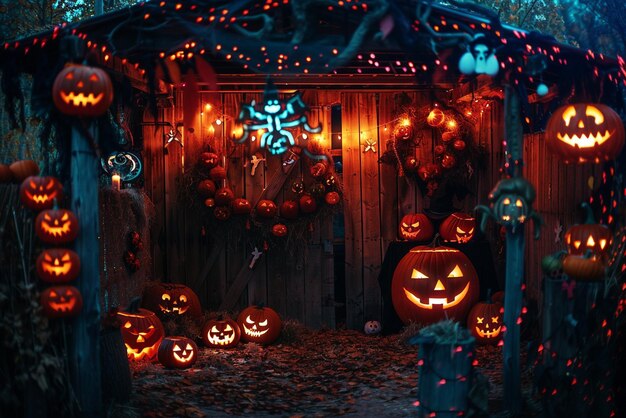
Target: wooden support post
[514, 262]
[84, 356]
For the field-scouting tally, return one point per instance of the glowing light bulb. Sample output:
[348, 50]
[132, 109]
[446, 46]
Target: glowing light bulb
[218, 121]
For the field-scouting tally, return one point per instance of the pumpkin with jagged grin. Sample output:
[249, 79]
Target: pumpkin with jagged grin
[259, 324]
[432, 283]
[61, 301]
[458, 227]
[57, 265]
[415, 227]
[81, 90]
[142, 332]
[38, 193]
[171, 300]
[221, 333]
[56, 226]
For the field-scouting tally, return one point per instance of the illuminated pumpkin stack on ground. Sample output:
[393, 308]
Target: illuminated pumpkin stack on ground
[170, 301]
[221, 333]
[142, 332]
[432, 283]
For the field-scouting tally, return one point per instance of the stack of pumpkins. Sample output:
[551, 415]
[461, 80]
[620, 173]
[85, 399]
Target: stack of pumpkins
[55, 227]
[144, 335]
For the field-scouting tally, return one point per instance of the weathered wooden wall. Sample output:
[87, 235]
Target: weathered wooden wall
[300, 283]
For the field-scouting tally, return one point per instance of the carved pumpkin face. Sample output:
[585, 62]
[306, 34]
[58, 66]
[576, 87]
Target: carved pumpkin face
[222, 213]
[58, 265]
[38, 193]
[80, 90]
[209, 159]
[332, 198]
[169, 299]
[259, 324]
[218, 333]
[289, 209]
[266, 208]
[596, 238]
[224, 196]
[279, 230]
[403, 132]
[415, 227]
[206, 188]
[142, 332]
[307, 204]
[61, 301]
[432, 283]
[56, 226]
[241, 206]
[484, 322]
[458, 227]
[585, 132]
[177, 352]
[511, 209]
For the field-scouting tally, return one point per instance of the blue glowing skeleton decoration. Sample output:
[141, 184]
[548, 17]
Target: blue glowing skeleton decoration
[275, 116]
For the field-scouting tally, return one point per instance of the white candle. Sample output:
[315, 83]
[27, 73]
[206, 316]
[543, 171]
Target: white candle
[116, 181]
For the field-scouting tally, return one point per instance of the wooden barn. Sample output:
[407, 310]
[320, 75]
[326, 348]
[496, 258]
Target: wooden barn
[293, 154]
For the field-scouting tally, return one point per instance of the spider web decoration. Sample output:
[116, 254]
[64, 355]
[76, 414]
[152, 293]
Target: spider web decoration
[273, 116]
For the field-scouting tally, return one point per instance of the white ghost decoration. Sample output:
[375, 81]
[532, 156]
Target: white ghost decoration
[480, 58]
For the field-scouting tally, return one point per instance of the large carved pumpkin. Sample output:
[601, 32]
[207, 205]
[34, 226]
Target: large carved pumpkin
[142, 332]
[484, 321]
[431, 283]
[221, 333]
[590, 236]
[177, 352]
[80, 90]
[171, 300]
[259, 324]
[61, 301]
[56, 226]
[38, 193]
[415, 227]
[458, 227]
[585, 132]
[57, 265]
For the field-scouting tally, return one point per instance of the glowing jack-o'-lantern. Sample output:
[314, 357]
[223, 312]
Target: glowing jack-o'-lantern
[241, 206]
[169, 299]
[289, 209]
[266, 208]
[80, 90]
[458, 227]
[38, 193]
[484, 321]
[585, 132]
[177, 352]
[142, 332]
[61, 301]
[432, 283]
[221, 333]
[415, 227]
[58, 265]
[590, 236]
[435, 117]
[259, 324]
[56, 226]
[403, 131]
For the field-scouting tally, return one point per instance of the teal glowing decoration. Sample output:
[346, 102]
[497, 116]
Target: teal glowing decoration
[274, 117]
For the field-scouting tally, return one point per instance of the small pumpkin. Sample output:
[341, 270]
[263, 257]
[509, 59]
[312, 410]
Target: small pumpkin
[279, 230]
[142, 332]
[38, 193]
[484, 321]
[217, 174]
[318, 170]
[583, 132]
[403, 132]
[435, 118]
[415, 227]
[177, 352]
[458, 227]
[590, 236]
[307, 204]
[266, 208]
[57, 265]
[221, 333]
[223, 196]
[81, 90]
[61, 301]
[56, 226]
[241, 206]
[259, 324]
[289, 209]
[206, 188]
[332, 198]
[209, 159]
[171, 300]
[23, 169]
[584, 268]
[222, 213]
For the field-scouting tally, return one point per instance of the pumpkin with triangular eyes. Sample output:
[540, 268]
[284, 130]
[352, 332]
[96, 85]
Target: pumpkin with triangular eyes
[81, 90]
[177, 352]
[415, 227]
[221, 333]
[61, 301]
[57, 265]
[484, 321]
[458, 227]
[142, 332]
[171, 300]
[597, 239]
[38, 193]
[432, 283]
[259, 324]
[241, 206]
[56, 226]
[266, 209]
[585, 132]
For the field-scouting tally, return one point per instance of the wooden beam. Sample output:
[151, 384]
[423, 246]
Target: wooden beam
[84, 356]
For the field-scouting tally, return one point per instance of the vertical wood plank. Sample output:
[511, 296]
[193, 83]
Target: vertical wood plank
[351, 151]
[388, 174]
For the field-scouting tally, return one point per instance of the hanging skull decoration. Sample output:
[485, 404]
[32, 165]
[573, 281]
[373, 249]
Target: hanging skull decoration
[510, 205]
[480, 57]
